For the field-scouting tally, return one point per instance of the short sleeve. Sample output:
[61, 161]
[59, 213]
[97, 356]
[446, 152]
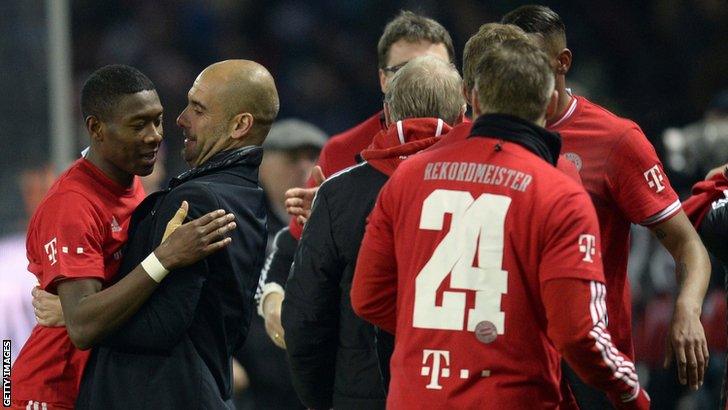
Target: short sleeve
[571, 248]
[69, 240]
[637, 180]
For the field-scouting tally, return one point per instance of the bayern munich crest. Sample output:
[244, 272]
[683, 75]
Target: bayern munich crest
[574, 158]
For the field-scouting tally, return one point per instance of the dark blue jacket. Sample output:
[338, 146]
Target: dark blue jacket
[175, 352]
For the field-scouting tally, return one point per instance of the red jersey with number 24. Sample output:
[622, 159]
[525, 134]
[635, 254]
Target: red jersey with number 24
[478, 229]
[76, 233]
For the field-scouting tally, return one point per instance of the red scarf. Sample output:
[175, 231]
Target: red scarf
[705, 193]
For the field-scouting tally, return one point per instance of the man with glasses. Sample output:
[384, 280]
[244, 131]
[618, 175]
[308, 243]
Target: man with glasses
[408, 36]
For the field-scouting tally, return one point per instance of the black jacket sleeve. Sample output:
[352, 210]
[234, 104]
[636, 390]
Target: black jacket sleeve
[310, 314]
[278, 263]
[168, 313]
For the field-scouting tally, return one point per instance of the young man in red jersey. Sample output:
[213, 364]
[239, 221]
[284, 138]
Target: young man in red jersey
[471, 251]
[407, 36]
[76, 235]
[627, 184]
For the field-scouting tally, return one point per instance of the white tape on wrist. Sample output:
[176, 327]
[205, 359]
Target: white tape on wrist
[154, 268]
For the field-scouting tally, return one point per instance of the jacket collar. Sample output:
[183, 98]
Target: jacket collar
[392, 146]
[545, 144]
[250, 155]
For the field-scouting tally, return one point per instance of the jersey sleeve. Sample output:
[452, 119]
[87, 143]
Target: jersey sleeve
[571, 248]
[375, 280]
[69, 240]
[637, 181]
[579, 332]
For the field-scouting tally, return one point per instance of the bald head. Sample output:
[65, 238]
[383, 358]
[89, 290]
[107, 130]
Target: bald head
[244, 86]
[231, 104]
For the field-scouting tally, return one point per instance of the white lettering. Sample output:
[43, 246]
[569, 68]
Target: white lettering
[654, 178]
[50, 249]
[436, 370]
[587, 246]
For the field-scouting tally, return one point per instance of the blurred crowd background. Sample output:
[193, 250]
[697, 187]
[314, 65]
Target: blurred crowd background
[661, 63]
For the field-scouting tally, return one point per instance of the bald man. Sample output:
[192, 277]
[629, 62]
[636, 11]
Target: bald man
[176, 351]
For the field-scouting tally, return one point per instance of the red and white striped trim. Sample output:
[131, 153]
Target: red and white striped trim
[622, 368]
[569, 112]
[662, 215]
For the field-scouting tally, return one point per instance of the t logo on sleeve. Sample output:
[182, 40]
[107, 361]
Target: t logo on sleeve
[437, 370]
[653, 176]
[587, 246]
[50, 250]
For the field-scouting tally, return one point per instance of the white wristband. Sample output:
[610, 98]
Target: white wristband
[154, 268]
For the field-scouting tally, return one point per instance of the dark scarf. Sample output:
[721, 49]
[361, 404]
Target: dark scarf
[545, 144]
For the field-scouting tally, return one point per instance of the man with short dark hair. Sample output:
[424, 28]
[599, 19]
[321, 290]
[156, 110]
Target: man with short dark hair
[176, 351]
[627, 184]
[76, 235]
[471, 250]
[337, 359]
[407, 36]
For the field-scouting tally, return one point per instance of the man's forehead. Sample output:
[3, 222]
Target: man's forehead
[403, 51]
[139, 104]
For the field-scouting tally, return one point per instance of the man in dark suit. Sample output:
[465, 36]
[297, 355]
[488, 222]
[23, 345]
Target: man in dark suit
[176, 351]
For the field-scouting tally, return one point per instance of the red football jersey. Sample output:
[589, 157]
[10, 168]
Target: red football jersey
[76, 232]
[340, 152]
[627, 184]
[476, 231]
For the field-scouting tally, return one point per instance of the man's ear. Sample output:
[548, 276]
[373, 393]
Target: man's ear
[242, 123]
[553, 105]
[461, 116]
[383, 81]
[387, 115]
[466, 94]
[564, 61]
[95, 128]
[476, 105]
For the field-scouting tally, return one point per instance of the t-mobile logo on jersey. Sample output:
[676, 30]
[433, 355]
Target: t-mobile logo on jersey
[587, 246]
[437, 370]
[653, 176]
[50, 249]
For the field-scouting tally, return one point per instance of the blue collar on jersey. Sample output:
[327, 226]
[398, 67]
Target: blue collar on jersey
[545, 144]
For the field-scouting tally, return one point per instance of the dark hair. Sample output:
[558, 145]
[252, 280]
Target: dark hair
[107, 84]
[539, 20]
[413, 28]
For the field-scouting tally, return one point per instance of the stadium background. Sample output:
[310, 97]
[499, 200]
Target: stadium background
[659, 62]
